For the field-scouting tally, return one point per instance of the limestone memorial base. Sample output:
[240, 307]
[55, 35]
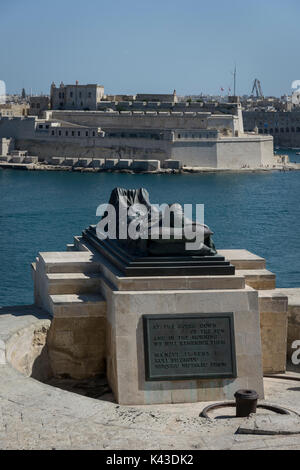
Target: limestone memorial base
[126, 351]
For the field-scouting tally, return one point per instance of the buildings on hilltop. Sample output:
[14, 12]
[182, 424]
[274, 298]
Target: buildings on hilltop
[14, 109]
[81, 123]
[194, 139]
[284, 127]
[38, 104]
[277, 117]
[82, 97]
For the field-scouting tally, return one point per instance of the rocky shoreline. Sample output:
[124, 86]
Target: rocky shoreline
[184, 170]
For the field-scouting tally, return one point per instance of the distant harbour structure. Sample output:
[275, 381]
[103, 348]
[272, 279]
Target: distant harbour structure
[82, 124]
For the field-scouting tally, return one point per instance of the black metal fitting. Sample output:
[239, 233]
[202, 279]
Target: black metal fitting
[246, 402]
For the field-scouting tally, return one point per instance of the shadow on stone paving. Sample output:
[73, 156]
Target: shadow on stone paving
[94, 387]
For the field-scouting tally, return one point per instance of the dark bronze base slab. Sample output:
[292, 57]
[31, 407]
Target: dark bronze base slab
[137, 265]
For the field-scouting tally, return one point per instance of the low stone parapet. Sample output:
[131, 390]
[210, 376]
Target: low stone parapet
[31, 159]
[97, 163]
[84, 162]
[17, 159]
[293, 331]
[56, 160]
[172, 164]
[273, 309]
[110, 163]
[145, 165]
[124, 164]
[260, 279]
[70, 161]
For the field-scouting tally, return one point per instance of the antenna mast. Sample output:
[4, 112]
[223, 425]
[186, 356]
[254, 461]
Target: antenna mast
[234, 77]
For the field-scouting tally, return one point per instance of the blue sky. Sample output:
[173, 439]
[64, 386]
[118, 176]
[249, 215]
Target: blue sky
[133, 46]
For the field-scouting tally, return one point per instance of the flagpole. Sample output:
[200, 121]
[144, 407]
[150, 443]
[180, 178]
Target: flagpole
[234, 75]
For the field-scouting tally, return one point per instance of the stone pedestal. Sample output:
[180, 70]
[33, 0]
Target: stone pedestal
[126, 354]
[97, 315]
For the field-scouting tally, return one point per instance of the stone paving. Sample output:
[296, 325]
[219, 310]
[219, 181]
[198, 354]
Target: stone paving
[34, 415]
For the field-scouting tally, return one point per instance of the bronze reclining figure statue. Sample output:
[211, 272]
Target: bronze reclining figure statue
[159, 239]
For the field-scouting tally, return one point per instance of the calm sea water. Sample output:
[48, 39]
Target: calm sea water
[41, 211]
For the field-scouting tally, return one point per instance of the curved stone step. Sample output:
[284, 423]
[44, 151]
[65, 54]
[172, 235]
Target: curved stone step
[77, 305]
[73, 283]
[260, 279]
[243, 259]
[69, 262]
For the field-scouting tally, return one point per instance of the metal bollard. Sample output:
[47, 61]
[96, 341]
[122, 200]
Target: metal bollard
[246, 402]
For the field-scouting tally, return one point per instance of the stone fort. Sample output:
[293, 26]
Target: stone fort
[83, 124]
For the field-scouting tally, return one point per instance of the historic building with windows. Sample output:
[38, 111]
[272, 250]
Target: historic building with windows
[77, 97]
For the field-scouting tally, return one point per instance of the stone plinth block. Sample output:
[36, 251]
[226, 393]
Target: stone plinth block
[273, 307]
[76, 346]
[293, 330]
[128, 356]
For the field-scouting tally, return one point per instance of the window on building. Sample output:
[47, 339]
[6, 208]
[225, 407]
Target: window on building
[93, 133]
[59, 132]
[71, 94]
[52, 132]
[67, 133]
[78, 133]
[47, 126]
[86, 133]
[89, 94]
[40, 126]
[73, 133]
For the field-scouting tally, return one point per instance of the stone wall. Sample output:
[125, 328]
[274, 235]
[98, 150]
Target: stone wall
[27, 351]
[293, 332]
[195, 153]
[86, 148]
[228, 153]
[220, 152]
[146, 120]
[76, 347]
[273, 324]
[283, 126]
[6, 146]
[254, 151]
